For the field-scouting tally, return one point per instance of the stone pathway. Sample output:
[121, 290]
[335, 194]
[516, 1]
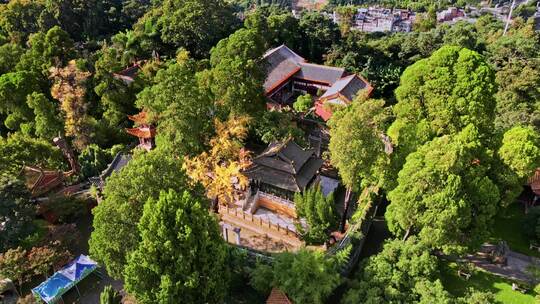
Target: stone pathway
[515, 268]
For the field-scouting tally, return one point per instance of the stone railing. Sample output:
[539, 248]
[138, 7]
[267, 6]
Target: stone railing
[248, 217]
[277, 199]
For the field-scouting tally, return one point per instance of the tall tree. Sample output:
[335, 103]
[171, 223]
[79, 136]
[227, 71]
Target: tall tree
[18, 149]
[177, 230]
[14, 89]
[305, 276]
[183, 108]
[445, 194]
[47, 124]
[394, 274]
[16, 212]
[319, 33]
[195, 25]
[357, 146]
[520, 151]
[53, 48]
[515, 57]
[441, 95]
[215, 169]
[69, 88]
[18, 18]
[236, 75]
[318, 211]
[115, 232]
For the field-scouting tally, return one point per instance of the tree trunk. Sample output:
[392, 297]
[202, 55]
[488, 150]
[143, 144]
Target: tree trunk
[345, 210]
[406, 236]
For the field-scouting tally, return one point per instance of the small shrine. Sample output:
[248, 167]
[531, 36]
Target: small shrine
[143, 130]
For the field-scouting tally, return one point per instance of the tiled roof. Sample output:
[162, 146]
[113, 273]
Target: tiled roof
[277, 297]
[323, 113]
[348, 87]
[139, 118]
[286, 166]
[142, 132]
[282, 63]
[319, 73]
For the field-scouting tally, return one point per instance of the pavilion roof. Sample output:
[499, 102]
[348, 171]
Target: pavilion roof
[285, 165]
[139, 118]
[142, 132]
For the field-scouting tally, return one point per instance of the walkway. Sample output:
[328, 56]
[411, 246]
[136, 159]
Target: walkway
[515, 268]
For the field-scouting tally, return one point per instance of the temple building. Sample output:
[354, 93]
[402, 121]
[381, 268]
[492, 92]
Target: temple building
[284, 169]
[143, 130]
[289, 75]
[265, 216]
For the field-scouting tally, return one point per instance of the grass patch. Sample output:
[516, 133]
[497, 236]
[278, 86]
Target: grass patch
[509, 227]
[483, 281]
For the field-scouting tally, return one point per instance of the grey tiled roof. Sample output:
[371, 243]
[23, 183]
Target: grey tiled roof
[285, 165]
[281, 63]
[348, 87]
[319, 73]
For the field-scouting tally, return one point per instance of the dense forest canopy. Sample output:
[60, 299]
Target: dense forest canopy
[449, 135]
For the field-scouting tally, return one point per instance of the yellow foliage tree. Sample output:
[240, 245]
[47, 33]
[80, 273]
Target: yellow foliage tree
[219, 169]
[69, 89]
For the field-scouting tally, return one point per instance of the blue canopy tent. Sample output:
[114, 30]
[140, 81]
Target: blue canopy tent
[63, 280]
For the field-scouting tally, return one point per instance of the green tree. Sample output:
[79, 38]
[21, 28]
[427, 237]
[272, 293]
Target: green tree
[402, 272]
[18, 18]
[110, 296]
[17, 150]
[445, 194]
[303, 103]
[14, 89]
[515, 57]
[46, 50]
[357, 145]
[115, 222]
[93, 160]
[10, 54]
[236, 75]
[47, 123]
[441, 95]
[319, 33]
[319, 212]
[195, 25]
[184, 107]
[277, 26]
[305, 276]
[178, 230]
[278, 126]
[426, 21]
[16, 212]
[520, 151]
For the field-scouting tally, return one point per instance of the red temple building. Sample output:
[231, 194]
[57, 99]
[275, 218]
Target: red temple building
[143, 130]
[289, 75]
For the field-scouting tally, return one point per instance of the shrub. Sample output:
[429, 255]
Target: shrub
[303, 103]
